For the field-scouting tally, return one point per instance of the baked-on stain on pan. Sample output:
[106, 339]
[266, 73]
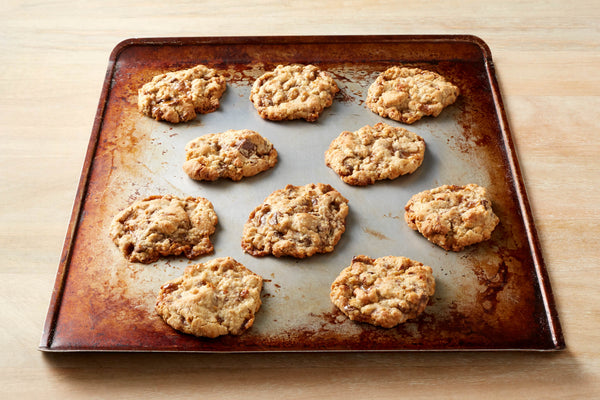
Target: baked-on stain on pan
[494, 295]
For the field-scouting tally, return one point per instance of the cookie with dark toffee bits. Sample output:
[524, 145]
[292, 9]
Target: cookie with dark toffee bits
[293, 92]
[451, 216]
[384, 291]
[296, 221]
[232, 154]
[211, 299]
[374, 153]
[408, 94]
[163, 226]
[179, 96]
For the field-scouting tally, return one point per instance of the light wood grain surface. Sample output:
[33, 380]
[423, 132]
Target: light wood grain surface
[54, 56]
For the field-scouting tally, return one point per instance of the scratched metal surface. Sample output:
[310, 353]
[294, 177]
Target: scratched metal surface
[490, 296]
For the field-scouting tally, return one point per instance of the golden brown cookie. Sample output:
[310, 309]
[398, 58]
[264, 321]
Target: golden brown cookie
[384, 291]
[297, 221]
[374, 153]
[232, 154]
[178, 96]
[452, 217]
[211, 299]
[408, 94]
[293, 92]
[164, 225]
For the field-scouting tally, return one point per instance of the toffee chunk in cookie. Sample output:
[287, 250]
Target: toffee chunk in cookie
[384, 291]
[408, 94]
[180, 95]
[374, 153]
[163, 226]
[293, 92]
[232, 154]
[452, 217]
[211, 299]
[297, 221]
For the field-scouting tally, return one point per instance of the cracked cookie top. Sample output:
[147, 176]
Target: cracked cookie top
[297, 221]
[180, 95]
[408, 94]
[451, 216]
[163, 226]
[211, 299]
[232, 154]
[375, 153]
[293, 92]
[384, 291]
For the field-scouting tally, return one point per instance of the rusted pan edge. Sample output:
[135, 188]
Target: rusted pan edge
[291, 40]
[297, 351]
[307, 39]
[527, 216]
[65, 258]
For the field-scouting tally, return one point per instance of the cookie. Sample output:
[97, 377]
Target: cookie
[178, 96]
[211, 299]
[384, 291]
[408, 94]
[297, 221]
[163, 226]
[375, 153]
[232, 154]
[293, 92]
[452, 217]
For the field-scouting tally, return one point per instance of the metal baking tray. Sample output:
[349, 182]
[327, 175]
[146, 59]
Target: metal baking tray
[491, 296]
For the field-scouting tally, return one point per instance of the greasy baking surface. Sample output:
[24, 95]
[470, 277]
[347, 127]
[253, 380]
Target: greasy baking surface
[491, 296]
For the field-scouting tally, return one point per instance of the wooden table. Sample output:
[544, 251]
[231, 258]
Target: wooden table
[55, 55]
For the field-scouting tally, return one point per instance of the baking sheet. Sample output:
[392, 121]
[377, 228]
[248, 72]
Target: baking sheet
[491, 296]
